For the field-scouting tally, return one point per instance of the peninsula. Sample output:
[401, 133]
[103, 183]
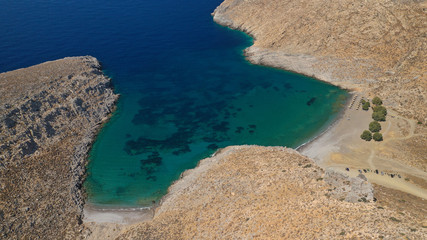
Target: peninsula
[49, 115]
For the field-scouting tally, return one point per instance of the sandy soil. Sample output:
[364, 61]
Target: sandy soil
[341, 147]
[102, 230]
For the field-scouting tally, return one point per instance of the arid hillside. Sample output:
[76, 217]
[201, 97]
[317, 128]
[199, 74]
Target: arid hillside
[377, 47]
[251, 192]
[49, 114]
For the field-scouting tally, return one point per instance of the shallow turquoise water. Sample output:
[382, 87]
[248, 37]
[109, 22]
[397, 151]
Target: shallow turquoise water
[195, 105]
[186, 90]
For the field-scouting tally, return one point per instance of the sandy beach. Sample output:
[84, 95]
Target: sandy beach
[108, 223]
[341, 149]
[116, 215]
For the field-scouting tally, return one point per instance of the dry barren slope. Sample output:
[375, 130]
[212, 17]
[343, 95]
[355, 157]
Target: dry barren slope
[379, 47]
[49, 114]
[251, 192]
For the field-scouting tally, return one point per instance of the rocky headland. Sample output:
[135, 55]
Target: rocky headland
[49, 116]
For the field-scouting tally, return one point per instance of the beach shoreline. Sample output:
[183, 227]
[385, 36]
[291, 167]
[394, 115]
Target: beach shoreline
[117, 215]
[341, 149]
[340, 116]
[121, 215]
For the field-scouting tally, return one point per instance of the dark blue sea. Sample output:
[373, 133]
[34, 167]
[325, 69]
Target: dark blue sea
[186, 89]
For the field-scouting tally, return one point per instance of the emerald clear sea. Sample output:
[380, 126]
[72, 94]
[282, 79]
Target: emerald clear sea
[186, 88]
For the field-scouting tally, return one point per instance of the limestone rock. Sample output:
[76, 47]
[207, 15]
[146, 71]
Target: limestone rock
[356, 189]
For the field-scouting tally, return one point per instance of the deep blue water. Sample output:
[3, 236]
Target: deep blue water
[185, 87]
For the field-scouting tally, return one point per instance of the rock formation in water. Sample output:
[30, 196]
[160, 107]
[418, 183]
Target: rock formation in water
[379, 47]
[49, 115]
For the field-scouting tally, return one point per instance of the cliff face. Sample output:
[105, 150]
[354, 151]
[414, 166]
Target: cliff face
[378, 47]
[252, 192]
[49, 114]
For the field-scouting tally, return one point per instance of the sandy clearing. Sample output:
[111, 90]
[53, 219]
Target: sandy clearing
[340, 147]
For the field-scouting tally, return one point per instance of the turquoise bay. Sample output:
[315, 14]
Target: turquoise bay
[195, 103]
[186, 89]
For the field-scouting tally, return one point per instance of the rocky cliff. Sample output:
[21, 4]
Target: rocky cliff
[49, 115]
[378, 47]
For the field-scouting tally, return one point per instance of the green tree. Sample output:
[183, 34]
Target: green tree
[378, 136]
[378, 116]
[380, 109]
[362, 101]
[377, 101]
[366, 135]
[374, 126]
[366, 106]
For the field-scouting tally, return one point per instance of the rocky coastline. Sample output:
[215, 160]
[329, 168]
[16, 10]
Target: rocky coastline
[377, 48]
[49, 116]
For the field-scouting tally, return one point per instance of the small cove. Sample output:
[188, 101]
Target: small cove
[186, 89]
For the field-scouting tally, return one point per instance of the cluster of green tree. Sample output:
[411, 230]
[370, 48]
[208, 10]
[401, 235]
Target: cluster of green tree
[374, 126]
[377, 101]
[377, 136]
[380, 112]
[368, 136]
[378, 115]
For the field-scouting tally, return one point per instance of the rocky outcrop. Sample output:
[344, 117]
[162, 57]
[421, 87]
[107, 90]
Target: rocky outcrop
[350, 189]
[378, 47]
[252, 192]
[49, 115]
